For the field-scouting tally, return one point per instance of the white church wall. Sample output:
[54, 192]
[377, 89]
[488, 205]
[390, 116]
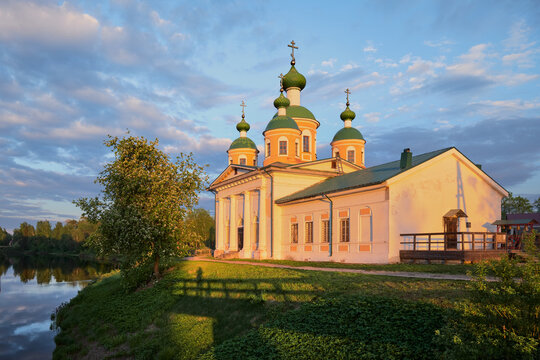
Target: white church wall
[420, 198]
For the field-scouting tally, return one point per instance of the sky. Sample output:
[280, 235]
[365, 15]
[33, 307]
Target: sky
[423, 75]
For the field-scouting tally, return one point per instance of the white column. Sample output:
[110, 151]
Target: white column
[247, 225]
[264, 218]
[233, 227]
[220, 225]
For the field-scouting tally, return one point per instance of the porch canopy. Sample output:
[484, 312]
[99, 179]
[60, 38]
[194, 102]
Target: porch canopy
[457, 213]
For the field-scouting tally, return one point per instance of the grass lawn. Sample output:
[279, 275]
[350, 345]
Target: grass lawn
[227, 311]
[426, 268]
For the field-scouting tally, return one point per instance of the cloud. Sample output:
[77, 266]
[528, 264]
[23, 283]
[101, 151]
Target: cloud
[47, 25]
[372, 117]
[439, 43]
[330, 62]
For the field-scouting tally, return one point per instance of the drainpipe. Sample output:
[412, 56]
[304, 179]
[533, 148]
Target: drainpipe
[331, 218]
[271, 213]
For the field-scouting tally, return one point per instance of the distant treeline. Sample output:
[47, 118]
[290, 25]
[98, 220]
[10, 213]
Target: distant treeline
[65, 237]
[69, 237]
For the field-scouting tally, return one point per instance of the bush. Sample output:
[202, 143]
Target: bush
[501, 319]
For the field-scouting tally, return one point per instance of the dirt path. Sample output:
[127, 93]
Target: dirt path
[405, 274]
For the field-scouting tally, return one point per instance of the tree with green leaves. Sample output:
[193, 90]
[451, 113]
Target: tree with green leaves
[536, 205]
[515, 205]
[144, 204]
[43, 228]
[204, 225]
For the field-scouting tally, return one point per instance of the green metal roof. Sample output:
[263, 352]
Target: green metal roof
[297, 111]
[280, 122]
[347, 134]
[243, 143]
[294, 79]
[370, 176]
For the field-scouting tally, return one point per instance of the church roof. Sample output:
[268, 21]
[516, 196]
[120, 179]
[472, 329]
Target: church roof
[281, 122]
[370, 176]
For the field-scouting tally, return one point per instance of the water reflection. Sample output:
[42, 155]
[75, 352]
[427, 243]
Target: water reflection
[30, 290]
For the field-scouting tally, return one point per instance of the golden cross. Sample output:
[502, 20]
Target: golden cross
[243, 105]
[292, 47]
[348, 93]
[281, 81]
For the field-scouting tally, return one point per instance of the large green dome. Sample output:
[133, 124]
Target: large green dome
[281, 122]
[297, 111]
[294, 79]
[243, 143]
[348, 133]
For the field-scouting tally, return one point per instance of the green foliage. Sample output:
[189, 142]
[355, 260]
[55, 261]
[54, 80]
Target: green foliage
[204, 226]
[199, 305]
[63, 239]
[144, 205]
[5, 237]
[515, 205]
[536, 205]
[343, 328]
[501, 321]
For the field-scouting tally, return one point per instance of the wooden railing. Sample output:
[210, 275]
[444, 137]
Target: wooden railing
[459, 241]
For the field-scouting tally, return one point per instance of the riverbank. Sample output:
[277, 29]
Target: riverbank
[198, 307]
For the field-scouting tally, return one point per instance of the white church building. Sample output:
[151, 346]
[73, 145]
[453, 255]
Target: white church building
[299, 207]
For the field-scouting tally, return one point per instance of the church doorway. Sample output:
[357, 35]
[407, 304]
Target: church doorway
[451, 227]
[240, 238]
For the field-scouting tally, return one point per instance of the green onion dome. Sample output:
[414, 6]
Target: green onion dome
[281, 101]
[347, 114]
[348, 133]
[294, 79]
[281, 122]
[243, 143]
[242, 125]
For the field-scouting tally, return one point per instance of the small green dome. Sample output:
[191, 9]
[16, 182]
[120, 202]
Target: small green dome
[281, 101]
[348, 133]
[281, 122]
[243, 143]
[348, 114]
[294, 79]
[242, 125]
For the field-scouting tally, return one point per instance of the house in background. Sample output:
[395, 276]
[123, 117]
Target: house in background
[296, 206]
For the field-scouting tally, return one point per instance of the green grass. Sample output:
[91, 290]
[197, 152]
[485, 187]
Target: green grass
[207, 309]
[426, 268]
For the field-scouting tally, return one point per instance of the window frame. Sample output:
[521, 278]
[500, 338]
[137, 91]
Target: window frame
[268, 149]
[282, 145]
[344, 230]
[305, 143]
[308, 232]
[294, 233]
[325, 231]
[349, 157]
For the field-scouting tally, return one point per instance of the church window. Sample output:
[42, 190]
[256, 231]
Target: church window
[325, 231]
[242, 161]
[344, 230]
[296, 150]
[267, 149]
[305, 142]
[255, 162]
[282, 148]
[350, 156]
[294, 233]
[309, 232]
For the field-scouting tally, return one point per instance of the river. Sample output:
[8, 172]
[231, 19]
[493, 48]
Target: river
[31, 288]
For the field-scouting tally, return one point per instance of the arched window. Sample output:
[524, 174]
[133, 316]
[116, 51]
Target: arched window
[242, 160]
[351, 154]
[283, 145]
[268, 149]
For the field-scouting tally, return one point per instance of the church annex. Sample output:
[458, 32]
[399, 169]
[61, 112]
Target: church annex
[297, 206]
